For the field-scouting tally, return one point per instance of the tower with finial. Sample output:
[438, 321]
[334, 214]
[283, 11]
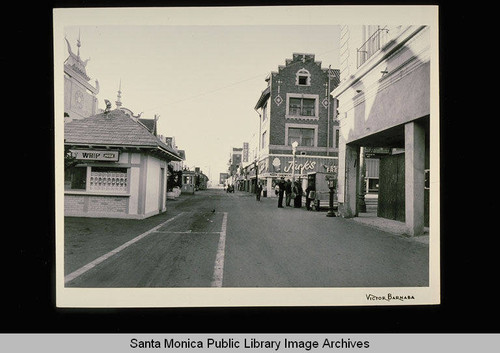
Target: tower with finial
[80, 96]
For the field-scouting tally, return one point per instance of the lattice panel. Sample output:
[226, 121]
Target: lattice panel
[108, 181]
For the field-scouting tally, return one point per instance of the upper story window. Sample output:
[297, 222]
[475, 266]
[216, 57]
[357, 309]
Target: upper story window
[304, 136]
[264, 112]
[302, 106]
[303, 78]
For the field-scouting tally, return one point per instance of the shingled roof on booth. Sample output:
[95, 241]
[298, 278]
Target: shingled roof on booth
[114, 129]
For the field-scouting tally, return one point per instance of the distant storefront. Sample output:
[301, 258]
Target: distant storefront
[273, 167]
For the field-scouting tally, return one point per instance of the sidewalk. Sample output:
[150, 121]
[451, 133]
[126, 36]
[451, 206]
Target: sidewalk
[370, 219]
[390, 226]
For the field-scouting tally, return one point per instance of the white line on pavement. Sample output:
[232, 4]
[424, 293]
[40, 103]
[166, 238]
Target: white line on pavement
[104, 257]
[219, 259]
[184, 232]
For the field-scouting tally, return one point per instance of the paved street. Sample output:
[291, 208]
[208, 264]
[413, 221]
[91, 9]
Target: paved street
[217, 239]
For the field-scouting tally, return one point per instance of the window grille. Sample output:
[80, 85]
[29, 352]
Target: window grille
[108, 179]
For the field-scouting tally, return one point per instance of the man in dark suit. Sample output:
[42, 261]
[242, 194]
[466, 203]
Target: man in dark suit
[281, 185]
[288, 192]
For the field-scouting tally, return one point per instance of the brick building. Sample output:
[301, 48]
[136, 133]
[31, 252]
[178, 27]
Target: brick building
[296, 106]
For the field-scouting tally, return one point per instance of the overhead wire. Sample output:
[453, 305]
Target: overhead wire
[216, 89]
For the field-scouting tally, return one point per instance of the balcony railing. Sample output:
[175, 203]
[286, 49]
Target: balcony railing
[372, 45]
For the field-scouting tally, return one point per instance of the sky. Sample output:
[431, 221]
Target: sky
[201, 70]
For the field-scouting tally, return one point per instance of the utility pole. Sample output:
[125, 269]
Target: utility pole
[328, 111]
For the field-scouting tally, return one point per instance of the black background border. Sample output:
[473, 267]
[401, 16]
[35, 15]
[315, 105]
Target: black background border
[468, 293]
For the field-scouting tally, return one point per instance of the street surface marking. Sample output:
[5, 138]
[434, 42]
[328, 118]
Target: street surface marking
[219, 259]
[104, 257]
[184, 232]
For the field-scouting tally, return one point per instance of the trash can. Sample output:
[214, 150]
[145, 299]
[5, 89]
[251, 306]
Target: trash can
[264, 193]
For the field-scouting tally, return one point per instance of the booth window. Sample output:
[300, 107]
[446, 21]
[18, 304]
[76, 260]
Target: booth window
[108, 179]
[75, 178]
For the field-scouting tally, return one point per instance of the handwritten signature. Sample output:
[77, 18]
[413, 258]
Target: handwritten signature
[389, 297]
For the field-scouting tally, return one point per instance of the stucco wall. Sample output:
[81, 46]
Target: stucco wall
[390, 89]
[152, 191]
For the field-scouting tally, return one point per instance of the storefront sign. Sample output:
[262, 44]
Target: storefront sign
[308, 165]
[96, 155]
[278, 166]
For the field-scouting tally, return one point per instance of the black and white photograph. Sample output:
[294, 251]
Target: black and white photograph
[247, 156]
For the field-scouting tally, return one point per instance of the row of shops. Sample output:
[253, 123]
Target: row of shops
[270, 169]
[273, 168]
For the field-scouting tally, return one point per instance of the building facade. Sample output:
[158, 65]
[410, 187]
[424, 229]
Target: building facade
[296, 107]
[235, 165]
[384, 103]
[200, 179]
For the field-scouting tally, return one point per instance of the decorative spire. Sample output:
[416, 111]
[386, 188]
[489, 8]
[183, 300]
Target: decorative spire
[118, 102]
[75, 62]
[78, 43]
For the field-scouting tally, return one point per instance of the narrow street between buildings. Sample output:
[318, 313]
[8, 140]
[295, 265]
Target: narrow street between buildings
[214, 238]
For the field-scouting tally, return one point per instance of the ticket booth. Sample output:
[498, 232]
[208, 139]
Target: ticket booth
[188, 182]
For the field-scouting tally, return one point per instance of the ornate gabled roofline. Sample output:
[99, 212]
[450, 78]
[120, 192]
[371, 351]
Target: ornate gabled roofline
[76, 67]
[76, 63]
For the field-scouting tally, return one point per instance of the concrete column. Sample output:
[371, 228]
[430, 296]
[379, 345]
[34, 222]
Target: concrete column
[270, 191]
[361, 181]
[414, 178]
[348, 208]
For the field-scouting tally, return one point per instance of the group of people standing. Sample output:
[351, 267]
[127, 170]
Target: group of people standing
[291, 191]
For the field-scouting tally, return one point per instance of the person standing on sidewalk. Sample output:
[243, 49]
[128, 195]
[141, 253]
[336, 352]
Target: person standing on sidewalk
[309, 194]
[258, 191]
[297, 190]
[288, 192]
[281, 186]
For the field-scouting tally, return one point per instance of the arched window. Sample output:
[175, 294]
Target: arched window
[303, 78]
